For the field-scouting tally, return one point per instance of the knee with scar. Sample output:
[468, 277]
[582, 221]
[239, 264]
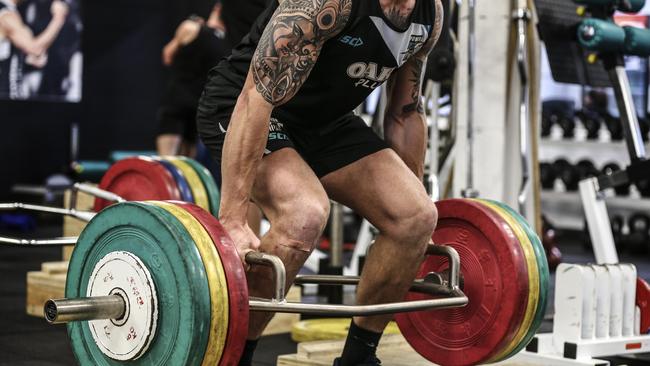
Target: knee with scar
[305, 225]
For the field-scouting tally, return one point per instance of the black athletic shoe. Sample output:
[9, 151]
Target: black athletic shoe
[370, 361]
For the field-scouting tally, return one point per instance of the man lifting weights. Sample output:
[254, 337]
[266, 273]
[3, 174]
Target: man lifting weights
[18, 45]
[277, 115]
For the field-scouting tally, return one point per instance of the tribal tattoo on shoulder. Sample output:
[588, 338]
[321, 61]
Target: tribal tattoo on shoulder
[291, 43]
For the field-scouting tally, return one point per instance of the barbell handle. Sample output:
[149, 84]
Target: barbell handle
[454, 264]
[279, 272]
[97, 192]
[66, 240]
[16, 206]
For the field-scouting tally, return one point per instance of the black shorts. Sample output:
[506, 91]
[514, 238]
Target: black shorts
[178, 119]
[328, 149]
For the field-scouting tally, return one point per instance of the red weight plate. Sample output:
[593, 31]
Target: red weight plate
[138, 179]
[643, 302]
[496, 283]
[236, 279]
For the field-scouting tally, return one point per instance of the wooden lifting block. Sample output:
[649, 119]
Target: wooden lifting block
[49, 283]
[72, 226]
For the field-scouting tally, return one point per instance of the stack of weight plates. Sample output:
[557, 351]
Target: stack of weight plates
[506, 279]
[182, 280]
[161, 178]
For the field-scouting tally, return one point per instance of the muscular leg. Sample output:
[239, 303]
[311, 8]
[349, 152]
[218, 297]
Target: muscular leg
[295, 203]
[168, 144]
[381, 188]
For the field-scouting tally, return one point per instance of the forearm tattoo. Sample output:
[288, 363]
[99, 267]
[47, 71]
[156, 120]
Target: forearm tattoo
[291, 43]
[418, 64]
[415, 79]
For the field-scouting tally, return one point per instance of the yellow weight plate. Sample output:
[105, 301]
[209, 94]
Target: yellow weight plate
[216, 282]
[328, 329]
[196, 185]
[533, 280]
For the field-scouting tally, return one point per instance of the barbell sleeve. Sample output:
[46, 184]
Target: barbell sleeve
[89, 308]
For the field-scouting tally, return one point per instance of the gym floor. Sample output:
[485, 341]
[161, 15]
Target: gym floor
[26, 340]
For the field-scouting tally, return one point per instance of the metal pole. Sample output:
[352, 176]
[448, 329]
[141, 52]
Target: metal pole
[81, 215]
[459, 300]
[97, 192]
[336, 236]
[470, 192]
[433, 93]
[522, 15]
[71, 240]
[89, 308]
[623, 93]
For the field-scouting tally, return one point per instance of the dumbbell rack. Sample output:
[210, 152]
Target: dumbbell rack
[601, 319]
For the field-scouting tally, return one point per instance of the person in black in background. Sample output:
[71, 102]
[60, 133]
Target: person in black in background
[196, 47]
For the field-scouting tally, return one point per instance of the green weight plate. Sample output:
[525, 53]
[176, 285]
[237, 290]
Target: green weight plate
[208, 181]
[544, 275]
[165, 247]
[216, 280]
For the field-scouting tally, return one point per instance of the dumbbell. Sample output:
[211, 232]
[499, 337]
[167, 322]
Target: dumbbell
[548, 175]
[569, 175]
[549, 240]
[591, 124]
[643, 187]
[586, 169]
[639, 235]
[615, 127]
[568, 125]
[611, 168]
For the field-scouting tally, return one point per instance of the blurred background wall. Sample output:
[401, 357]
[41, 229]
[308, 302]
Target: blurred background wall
[120, 93]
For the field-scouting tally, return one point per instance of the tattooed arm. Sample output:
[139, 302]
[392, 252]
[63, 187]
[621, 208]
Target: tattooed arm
[285, 55]
[405, 124]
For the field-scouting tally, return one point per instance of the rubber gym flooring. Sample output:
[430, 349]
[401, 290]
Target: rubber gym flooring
[25, 340]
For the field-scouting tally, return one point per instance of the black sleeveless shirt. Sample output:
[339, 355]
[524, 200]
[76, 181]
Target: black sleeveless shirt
[192, 64]
[350, 66]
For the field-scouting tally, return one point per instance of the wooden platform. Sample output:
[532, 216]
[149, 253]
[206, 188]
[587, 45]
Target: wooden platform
[48, 283]
[393, 351]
